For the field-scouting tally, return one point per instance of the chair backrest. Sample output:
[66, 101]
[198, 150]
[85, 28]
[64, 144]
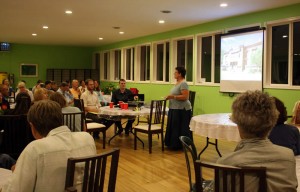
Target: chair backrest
[75, 121]
[1, 136]
[189, 151]
[95, 171]
[192, 95]
[17, 134]
[230, 178]
[79, 104]
[157, 113]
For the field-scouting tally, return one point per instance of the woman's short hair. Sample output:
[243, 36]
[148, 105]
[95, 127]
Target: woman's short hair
[255, 113]
[282, 111]
[181, 70]
[39, 94]
[59, 98]
[45, 115]
[21, 84]
[23, 103]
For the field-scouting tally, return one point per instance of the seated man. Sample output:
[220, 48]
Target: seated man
[122, 94]
[255, 114]
[43, 163]
[65, 91]
[92, 105]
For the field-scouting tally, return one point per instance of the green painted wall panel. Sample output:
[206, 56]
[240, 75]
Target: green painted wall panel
[46, 57]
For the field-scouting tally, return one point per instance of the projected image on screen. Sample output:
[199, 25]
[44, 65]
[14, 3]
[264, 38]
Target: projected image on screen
[241, 62]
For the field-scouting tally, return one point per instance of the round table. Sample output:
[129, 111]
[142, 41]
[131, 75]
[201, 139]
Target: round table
[214, 126]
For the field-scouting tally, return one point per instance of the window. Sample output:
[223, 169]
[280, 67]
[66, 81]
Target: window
[284, 57]
[144, 62]
[117, 64]
[161, 61]
[129, 63]
[106, 66]
[209, 48]
[184, 56]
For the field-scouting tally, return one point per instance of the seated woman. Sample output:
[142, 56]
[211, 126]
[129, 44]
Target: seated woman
[40, 94]
[255, 114]
[23, 103]
[296, 114]
[60, 99]
[284, 134]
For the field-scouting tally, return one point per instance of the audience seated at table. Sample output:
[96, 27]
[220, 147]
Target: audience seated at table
[255, 114]
[283, 134]
[122, 94]
[42, 165]
[57, 97]
[23, 103]
[22, 89]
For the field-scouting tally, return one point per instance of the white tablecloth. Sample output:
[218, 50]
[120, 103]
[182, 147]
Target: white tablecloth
[123, 112]
[4, 175]
[216, 126]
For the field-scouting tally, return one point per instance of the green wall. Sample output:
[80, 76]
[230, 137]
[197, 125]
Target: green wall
[208, 98]
[45, 56]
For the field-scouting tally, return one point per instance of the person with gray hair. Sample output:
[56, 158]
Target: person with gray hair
[22, 89]
[255, 114]
[43, 163]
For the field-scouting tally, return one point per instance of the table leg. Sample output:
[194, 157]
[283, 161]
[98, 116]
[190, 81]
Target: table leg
[130, 131]
[209, 142]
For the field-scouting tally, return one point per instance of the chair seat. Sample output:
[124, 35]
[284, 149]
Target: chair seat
[146, 126]
[94, 126]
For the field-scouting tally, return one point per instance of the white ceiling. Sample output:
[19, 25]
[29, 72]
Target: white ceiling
[92, 19]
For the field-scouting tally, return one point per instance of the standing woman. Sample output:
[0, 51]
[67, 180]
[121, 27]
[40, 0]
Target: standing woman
[180, 113]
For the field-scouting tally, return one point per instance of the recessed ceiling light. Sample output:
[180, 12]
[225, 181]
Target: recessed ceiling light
[45, 27]
[284, 36]
[68, 12]
[121, 32]
[34, 34]
[100, 38]
[166, 11]
[161, 21]
[223, 5]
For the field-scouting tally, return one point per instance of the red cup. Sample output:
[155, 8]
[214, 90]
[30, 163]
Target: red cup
[121, 105]
[111, 105]
[125, 105]
[120, 102]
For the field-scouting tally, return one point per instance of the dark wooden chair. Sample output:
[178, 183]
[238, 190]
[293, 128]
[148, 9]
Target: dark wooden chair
[17, 134]
[74, 121]
[91, 126]
[155, 124]
[230, 178]
[192, 95]
[94, 172]
[190, 153]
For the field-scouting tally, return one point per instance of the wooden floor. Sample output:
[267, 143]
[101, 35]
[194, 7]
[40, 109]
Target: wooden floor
[160, 171]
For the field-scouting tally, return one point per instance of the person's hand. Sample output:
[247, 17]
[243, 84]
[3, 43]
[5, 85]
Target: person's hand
[169, 97]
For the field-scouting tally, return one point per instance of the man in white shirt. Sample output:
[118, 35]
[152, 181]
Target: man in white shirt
[42, 164]
[92, 104]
